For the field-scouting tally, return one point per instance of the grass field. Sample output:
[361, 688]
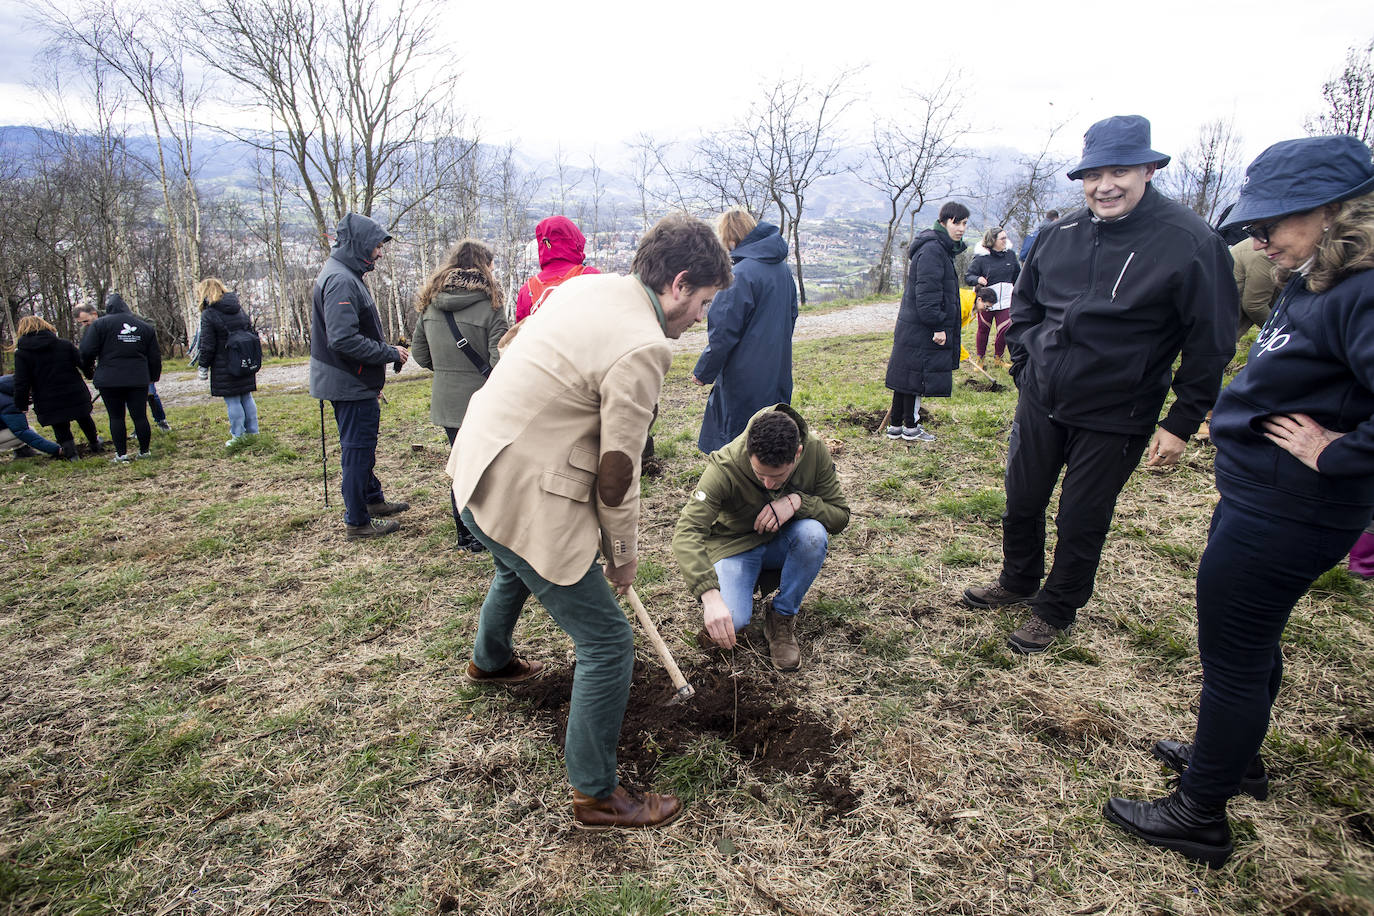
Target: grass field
[210, 702]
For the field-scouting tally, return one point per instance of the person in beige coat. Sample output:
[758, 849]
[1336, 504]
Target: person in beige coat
[546, 466]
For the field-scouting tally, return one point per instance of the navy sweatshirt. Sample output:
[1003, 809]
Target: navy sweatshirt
[1315, 355]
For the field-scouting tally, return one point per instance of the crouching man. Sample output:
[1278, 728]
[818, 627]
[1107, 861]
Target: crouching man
[768, 501]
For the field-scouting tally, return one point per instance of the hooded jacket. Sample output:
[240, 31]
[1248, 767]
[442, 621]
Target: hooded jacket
[1315, 356]
[748, 351]
[465, 295]
[217, 320]
[121, 347]
[47, 374]
[1102, 310]
[562, 247]
[996, 266]
[348, 352]
[718, 520]
[930, 303]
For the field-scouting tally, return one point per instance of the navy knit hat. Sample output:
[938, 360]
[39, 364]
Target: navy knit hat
[1118, 140]
[1294, 176]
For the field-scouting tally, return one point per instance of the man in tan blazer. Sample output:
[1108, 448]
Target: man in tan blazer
[547, 465]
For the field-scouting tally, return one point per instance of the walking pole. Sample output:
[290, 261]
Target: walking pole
[324, 464]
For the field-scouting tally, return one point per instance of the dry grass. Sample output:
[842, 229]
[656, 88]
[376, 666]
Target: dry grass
[212, 703]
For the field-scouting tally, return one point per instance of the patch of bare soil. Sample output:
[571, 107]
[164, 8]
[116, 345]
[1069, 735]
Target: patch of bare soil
[771, 733]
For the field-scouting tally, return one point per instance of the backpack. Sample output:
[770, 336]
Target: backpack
[243, 350]
[540, 289]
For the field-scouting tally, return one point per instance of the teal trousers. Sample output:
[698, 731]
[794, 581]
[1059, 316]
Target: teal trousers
[588, 612]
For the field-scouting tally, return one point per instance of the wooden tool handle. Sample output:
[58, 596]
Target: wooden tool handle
[660, 646]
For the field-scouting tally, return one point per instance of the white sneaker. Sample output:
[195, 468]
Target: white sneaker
[917, 433]
[122, 459]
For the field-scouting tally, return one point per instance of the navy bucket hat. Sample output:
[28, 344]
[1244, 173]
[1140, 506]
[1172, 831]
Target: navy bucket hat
[1119, 140]
[1294, 176]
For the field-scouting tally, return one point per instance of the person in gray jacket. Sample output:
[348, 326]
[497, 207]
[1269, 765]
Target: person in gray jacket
[460, 301]
[348, 360]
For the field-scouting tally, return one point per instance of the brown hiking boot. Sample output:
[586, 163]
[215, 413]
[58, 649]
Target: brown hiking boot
[515, 671]
[781, 632]
[624, 809]
[1035, 635]
[381, 510]
[994, 595]
[372, 528]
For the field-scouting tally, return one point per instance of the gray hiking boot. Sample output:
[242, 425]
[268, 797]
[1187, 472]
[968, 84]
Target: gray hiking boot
[781, 632]
[1035, 635]
[991, 596]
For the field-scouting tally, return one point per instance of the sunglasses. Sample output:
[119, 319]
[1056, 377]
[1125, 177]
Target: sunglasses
[1260, 231]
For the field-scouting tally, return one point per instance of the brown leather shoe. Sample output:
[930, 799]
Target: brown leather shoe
[517, 669]
[625, 810]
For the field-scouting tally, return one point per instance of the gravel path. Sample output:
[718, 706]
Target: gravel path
[182, 386]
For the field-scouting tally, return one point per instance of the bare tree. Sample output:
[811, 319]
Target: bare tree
[723, 173]
[911, 160]
[344, 81]
[1035, 185]
[796, 141]
[512, 190]
[119, 37]
[1209, 173]
[1349, 98]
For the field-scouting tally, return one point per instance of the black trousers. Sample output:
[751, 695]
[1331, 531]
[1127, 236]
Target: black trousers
[135, 400]
[63, 431]
[1255, 568]
[905, 407]
[1096, 465]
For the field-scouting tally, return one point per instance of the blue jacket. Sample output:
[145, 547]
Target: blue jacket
[348, 352]
[748, 351]
[1315, 355]
[930, 303]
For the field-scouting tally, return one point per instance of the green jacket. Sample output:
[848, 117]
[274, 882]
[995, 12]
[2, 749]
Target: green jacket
[464, 293]
[718, 521]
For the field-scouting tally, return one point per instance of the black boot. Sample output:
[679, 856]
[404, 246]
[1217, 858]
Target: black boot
[466, 539]
[1194, 830]
[67, 450]
[1176, 755]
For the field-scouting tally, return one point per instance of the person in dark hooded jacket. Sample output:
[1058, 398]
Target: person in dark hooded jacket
[115, 305]
[47, 374]
[120, 353]
[16, 427]
[220, 316]
[925, 345]
[348, 360]
[748, 351]
[562, 256]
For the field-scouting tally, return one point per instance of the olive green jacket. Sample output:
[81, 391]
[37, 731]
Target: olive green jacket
[718, 521]
[456, 379]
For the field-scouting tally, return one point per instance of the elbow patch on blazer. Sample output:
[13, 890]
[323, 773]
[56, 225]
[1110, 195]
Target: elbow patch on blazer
[613, 478]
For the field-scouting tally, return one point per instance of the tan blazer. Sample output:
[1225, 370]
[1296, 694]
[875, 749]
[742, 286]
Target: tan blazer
[548, 455]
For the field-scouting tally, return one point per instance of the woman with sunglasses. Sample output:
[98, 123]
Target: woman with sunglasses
[1295, 469]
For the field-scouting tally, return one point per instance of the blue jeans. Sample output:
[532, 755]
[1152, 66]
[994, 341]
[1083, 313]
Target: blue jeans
[605, 645]
[19, 425]
[155, 405]
[358, 423]
[798, 550]
[1255, 568]
[243, 414]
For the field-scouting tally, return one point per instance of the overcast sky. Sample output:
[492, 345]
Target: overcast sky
[594, 74]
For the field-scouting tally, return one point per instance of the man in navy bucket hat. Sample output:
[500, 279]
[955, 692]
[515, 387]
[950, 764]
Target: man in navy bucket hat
[1108, 299]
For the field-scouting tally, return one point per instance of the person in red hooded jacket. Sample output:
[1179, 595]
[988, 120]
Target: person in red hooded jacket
[562, 249]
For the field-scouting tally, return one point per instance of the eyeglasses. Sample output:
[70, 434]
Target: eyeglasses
[1260, 231]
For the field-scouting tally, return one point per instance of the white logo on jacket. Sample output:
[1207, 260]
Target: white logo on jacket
[1270, 340]
[129, 333]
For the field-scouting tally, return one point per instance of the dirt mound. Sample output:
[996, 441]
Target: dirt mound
[771, 733]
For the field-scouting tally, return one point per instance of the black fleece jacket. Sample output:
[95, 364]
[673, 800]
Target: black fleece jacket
[1102, 310]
